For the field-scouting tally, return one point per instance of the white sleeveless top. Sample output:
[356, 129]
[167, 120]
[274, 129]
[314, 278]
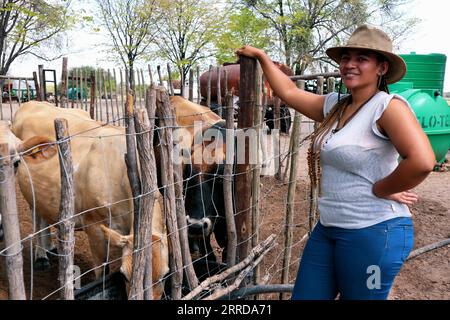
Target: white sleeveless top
[352, 160]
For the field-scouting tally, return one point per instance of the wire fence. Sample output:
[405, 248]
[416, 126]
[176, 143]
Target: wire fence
[102, 197]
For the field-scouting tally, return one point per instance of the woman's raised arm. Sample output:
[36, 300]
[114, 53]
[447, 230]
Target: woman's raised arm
[309, 104]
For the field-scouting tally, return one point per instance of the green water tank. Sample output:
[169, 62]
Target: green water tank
[425, 71]
[433, 113]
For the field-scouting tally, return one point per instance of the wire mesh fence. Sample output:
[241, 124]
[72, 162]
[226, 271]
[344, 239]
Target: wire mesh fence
[103, 196]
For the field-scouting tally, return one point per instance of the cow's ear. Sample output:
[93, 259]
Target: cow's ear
[38, 148]
[116, 238]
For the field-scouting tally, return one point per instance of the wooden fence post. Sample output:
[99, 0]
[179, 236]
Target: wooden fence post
[191, 85]
[219, 93]
[247, 101]
[292, 183]
[41, 82]
[276, 137]
[199, 92]
[36, 85]
[256, 168]
[142, 256]
[131, 160]
[228, 182]
[208, 92]
[66, 237]
[10, 221]
[63, 93]
[166, 116]
[92, 102]
[158, 68]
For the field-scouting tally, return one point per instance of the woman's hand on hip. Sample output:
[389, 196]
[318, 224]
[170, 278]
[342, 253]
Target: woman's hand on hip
[406, 197]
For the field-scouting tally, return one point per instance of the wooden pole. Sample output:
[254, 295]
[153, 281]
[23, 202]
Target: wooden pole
[191, 85]
[10, 221]
[77, 88]
[330, 84]
[117, 96]
[36, 84]
[158, 68]
[245, 120]
[142, 249]
[19, 93]
[92, 101]
[276, 137]
[111, 99]
[104, 78]
[144, 89]
[191, 277]
[292, 183]
[121, 98]
[10, 100]
[208, 92]
[63, 93]
[138, 90]
[314, 76]
[228, 183]
[320, 82]
[256, 168]
[219, 93]
[131, 159]
[1, 95]
[199, 92]
[169, 72]
[85, 78]
[100, 71]
[41, 81]
[66, 236]
[166, 115]
[150, 74]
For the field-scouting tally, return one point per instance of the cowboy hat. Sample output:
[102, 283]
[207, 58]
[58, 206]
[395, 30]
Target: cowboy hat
[370, 38]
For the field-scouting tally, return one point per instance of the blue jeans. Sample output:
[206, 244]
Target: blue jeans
[356, 263]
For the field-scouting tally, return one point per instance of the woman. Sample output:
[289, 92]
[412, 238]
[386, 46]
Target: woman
[365, 231]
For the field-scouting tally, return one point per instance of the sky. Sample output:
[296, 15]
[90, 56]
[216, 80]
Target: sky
[430, 36]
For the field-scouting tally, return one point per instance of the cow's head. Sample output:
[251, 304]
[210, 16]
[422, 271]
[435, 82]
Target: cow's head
[159, 258]
[204, 199]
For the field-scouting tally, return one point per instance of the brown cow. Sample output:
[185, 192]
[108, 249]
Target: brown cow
[102, 190]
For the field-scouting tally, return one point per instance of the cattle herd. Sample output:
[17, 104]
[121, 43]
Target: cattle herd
[103, 197]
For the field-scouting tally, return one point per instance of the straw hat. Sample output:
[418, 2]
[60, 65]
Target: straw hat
[370, 38]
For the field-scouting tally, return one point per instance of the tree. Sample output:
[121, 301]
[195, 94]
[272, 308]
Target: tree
[243, 27]
[306, 28]
[27, 26]
[130, 25]
[185, 29]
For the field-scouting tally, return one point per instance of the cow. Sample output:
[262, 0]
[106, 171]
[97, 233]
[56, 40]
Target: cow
[202, 175]
[102, 191]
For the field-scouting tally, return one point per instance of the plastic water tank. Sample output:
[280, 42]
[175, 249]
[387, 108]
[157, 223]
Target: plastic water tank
[433, 113]
[425, 71]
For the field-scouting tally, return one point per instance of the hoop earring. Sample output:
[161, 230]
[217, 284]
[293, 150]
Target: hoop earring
[380, 81]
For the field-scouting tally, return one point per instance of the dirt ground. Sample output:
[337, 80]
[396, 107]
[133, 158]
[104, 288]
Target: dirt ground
[422, 278]
[425, 277]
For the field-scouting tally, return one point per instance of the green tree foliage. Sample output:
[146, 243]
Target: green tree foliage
[243, 27]
[26, 27]
[306, 28]
[131, 28]
[185, 30]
